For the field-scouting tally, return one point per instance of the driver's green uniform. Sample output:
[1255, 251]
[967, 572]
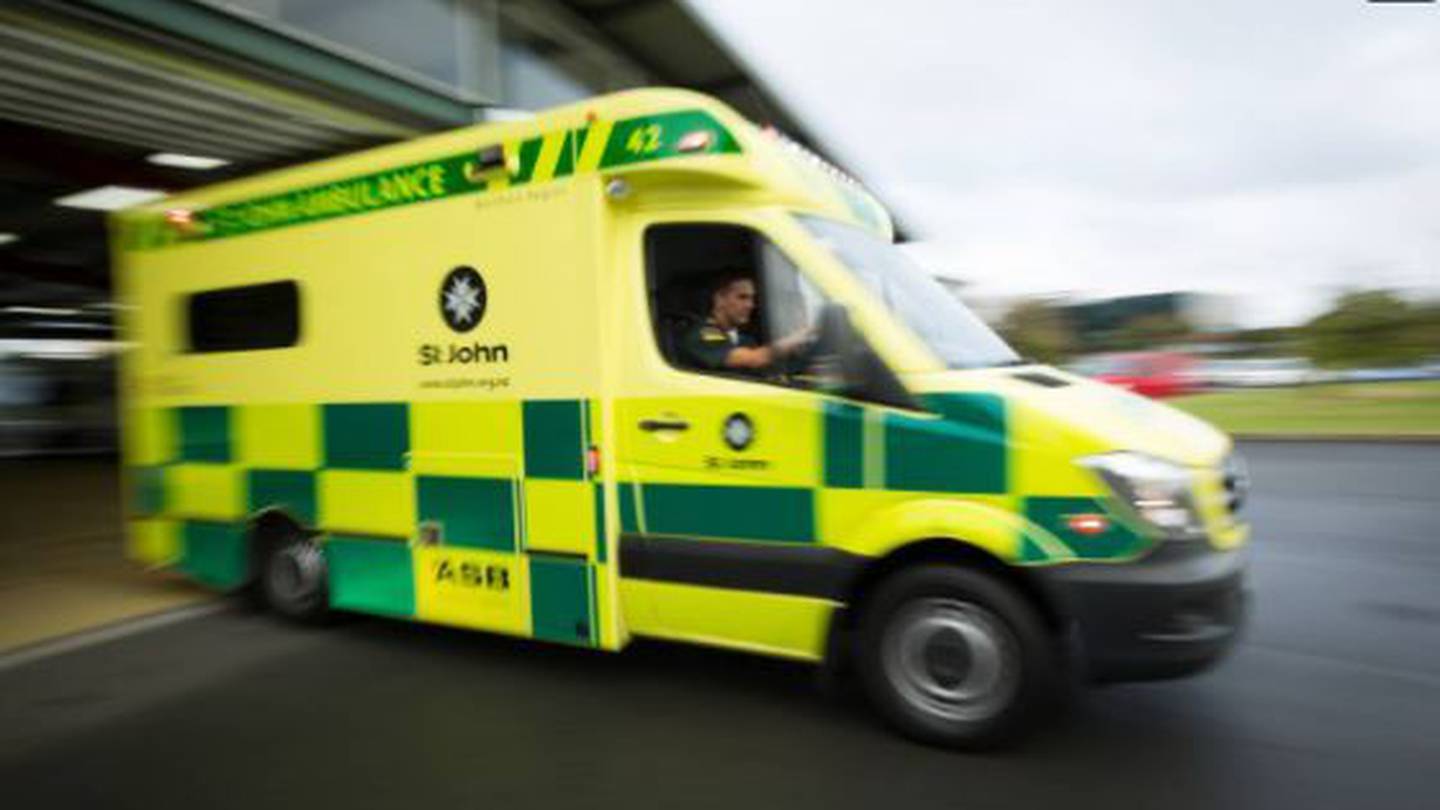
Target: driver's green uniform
[705, 346]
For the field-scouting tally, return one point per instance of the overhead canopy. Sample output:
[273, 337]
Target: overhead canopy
[94, 87]
[665, 41]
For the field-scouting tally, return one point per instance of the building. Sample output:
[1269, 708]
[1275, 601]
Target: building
[105, 101]
[1203, 312]
[108, 102]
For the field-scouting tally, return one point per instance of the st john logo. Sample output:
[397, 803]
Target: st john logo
[463, 299]
[462, 304]
[739, 431]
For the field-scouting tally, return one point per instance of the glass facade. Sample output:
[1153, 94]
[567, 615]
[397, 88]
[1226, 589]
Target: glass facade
[451, 44]
[530, 82]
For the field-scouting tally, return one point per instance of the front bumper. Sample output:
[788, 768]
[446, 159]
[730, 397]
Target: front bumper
[1173, 613]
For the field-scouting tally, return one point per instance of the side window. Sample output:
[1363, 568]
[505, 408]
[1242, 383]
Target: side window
[725, 300]
[234, 319]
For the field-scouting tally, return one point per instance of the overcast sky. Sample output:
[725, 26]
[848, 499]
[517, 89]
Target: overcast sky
[1282, 149]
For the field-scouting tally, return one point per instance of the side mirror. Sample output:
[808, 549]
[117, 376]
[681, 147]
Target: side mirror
[865, 376]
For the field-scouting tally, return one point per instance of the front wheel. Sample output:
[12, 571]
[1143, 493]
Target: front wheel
[953, 657]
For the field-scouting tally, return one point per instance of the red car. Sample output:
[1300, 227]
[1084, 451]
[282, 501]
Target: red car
[1153, 374]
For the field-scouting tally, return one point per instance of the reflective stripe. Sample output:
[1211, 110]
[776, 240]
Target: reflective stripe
[540, 158]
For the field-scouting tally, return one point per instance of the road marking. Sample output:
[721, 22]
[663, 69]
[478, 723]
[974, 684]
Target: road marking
[107, 633]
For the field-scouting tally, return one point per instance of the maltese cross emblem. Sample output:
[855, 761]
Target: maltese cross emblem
[462, 299]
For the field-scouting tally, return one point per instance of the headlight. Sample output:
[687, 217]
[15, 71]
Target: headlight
[1158, 491]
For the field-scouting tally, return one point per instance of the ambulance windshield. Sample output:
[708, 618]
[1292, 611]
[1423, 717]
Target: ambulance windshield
[951, 331]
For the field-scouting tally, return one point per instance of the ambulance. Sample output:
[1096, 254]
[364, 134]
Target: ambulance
[444, 381]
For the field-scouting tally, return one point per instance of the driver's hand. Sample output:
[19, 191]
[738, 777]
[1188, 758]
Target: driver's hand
[796, 341]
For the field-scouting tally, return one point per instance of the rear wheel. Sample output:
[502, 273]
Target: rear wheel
[293, 578]
[951, 656]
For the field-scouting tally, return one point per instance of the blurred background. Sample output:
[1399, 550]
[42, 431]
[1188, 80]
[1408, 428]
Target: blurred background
[1231, 205]
[1181, 201]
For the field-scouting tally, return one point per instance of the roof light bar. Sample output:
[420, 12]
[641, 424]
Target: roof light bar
[697, 141]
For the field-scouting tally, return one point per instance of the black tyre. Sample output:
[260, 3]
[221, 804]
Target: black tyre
[293, 578]
[950, 656]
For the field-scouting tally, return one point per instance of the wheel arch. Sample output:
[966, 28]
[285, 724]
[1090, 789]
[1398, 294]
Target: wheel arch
[263, 530]
[931, 551]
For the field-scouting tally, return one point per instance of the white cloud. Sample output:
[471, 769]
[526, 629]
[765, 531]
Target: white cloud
[1278, 149]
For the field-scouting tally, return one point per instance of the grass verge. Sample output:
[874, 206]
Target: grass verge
[1357, 409]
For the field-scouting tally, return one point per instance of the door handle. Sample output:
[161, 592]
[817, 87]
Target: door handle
[656, 425]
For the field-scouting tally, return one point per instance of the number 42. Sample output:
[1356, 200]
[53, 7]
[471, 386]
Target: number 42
[643, 140]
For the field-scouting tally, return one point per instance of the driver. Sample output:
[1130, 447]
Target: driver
[717, 344]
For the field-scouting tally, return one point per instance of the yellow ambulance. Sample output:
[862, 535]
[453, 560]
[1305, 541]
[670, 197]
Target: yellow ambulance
[490, 379]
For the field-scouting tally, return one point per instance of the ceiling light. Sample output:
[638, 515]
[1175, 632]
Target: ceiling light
[109, 198]
[61, 349]
[179, 161]
[7, 238]
[72, 325]
[54, 311]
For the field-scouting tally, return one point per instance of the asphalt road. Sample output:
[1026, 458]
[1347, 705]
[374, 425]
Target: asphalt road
[1333, 700]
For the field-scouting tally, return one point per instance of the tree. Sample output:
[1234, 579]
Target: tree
[1038, 330]
[1423, 333]
[1372, 328]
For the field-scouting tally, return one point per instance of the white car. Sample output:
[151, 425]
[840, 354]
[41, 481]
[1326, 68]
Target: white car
[1261, 372]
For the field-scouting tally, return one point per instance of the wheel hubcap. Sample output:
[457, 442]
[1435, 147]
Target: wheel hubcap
[294, 573]
[952, 659]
